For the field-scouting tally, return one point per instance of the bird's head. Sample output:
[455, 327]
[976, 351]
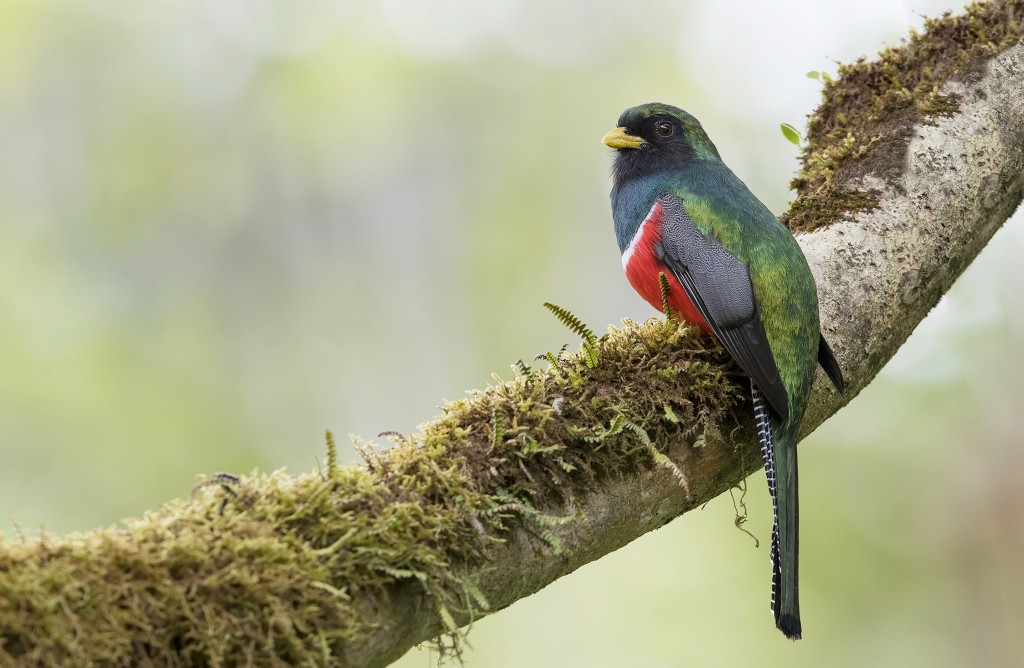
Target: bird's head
[656, 137]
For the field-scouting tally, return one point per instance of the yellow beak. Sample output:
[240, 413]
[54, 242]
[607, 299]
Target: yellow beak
[618, 138]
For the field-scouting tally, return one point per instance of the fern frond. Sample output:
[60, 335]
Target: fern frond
[553, 358]
[332, 455]
[403, 573]
[538, 522]
[446, 617]
[498, 436]
[614, 428]
[475, 593]
[569, 319]
[591, 349]
[660, 458]
[533, 447]
[666, 292]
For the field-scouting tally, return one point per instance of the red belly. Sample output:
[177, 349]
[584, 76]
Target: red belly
[643, 266]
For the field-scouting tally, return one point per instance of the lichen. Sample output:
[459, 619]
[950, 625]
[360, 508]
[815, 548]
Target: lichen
[867, 112]
[278, 573]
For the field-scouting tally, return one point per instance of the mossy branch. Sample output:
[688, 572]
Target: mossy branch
[525, 481]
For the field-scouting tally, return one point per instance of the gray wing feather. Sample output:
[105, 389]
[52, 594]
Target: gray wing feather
[719, 286]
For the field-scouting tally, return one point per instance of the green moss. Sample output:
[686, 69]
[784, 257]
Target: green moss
[864, 121]
[277, 570]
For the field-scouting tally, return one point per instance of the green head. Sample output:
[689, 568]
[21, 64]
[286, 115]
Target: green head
[657, 137]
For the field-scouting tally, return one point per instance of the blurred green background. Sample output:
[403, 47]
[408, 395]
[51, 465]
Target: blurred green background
[228, 226]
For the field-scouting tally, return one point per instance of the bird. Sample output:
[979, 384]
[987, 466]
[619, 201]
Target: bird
[738, 274]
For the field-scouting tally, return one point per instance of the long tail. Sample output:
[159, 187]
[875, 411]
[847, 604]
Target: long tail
[778, 446]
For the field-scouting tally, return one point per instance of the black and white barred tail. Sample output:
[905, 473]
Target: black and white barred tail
[778, 447]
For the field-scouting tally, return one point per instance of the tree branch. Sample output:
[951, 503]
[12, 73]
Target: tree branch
[528, 480]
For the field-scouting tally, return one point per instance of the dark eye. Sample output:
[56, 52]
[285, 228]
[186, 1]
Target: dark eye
[663, 129]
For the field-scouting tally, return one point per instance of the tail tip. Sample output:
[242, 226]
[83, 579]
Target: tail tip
[790, 626]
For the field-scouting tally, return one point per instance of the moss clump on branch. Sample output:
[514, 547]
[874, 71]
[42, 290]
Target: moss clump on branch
[867, 112]
[281, 573]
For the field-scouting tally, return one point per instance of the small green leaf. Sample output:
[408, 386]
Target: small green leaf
[814, 74]
[790, 133]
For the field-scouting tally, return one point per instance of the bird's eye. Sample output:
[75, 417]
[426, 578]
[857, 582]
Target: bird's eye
[663, 129]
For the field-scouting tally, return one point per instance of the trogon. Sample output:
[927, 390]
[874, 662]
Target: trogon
[738, 274]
